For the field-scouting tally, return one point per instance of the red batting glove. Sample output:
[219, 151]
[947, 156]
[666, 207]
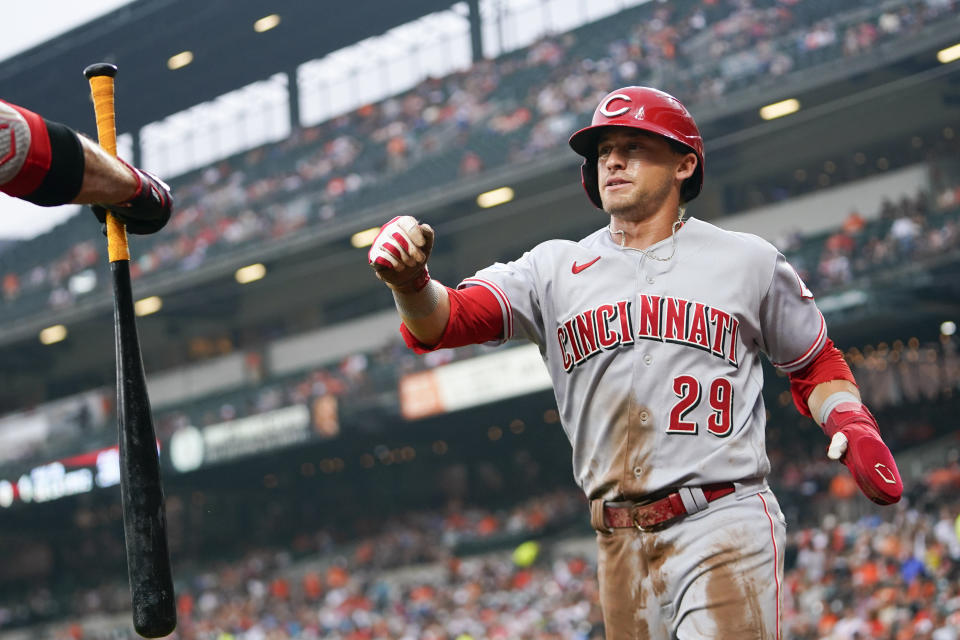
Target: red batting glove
[399, 254]
[855, 441]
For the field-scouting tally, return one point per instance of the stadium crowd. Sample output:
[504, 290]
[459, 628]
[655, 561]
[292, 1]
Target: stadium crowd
[890, 575]
[851, 568]
[871, 578]
[907, 231]
[853, 571]
[500, 111]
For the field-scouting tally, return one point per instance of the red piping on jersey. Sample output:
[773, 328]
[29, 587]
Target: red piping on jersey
[508, 310]
[813, 348]
[475, 317]
[776, 576]
[37, 162]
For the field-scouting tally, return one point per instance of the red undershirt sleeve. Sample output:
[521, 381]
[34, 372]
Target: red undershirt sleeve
[826, 366]
[475, 318]
[38, 159]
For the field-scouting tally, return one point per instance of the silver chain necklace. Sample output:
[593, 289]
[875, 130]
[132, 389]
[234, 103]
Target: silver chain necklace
[646, 252]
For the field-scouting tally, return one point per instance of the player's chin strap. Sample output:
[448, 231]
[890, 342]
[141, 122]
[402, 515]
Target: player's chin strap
[673, 236]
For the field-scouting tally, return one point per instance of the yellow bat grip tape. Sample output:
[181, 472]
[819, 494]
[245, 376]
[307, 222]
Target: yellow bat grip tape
[102, 89]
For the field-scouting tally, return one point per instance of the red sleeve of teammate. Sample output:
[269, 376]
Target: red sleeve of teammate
[49, 171]
[826, 366]
[475, 318]
[37, 162]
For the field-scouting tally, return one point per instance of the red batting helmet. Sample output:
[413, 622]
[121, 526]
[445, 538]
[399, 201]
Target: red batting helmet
[646, 109]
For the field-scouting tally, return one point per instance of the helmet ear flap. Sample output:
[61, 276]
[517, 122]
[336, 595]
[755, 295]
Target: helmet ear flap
[589, 179]
[690, 188]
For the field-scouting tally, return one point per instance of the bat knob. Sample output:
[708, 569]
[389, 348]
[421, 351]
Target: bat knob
[100, 69]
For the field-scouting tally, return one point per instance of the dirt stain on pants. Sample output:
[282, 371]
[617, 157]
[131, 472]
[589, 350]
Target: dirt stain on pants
[632, 584]
[715, 575]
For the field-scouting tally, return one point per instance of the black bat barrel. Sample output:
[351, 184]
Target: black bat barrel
[144, 516]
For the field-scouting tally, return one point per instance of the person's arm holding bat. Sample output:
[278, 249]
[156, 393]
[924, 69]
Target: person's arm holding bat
[49, 164]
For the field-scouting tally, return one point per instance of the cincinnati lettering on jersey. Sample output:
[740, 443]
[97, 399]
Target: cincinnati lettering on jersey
[661, 318]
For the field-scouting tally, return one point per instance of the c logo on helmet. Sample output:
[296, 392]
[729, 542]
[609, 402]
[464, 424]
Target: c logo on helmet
[605, 107]
[880, 468]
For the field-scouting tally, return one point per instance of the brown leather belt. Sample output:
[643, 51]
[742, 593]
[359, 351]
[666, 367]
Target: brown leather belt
[645, 516]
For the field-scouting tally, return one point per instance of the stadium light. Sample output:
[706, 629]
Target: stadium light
[146, 306]
[83, 282]
[496, 197]
[250, 273]
[54, 334]
[179, 60]
[266, 23]
[780, 109]
[949, 54]
[7, 493]
[364, 238]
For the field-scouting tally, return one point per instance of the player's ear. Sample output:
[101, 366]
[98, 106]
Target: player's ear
[687, 166]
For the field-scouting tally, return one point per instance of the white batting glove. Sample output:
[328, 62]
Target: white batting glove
[399, 254]
[838, 446]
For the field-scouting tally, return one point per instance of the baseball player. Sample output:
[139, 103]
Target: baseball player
[49, 164]
[652, 329]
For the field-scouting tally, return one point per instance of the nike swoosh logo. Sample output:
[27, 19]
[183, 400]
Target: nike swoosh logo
[577, 268]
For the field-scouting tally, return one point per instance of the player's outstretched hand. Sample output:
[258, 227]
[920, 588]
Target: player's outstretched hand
[147, 211]
[399, 254]
[855, 441]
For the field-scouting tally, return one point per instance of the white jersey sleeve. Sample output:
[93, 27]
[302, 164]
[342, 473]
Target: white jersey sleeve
[516, 286]
[793, 329]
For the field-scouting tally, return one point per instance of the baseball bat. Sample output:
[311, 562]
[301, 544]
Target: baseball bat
[141, 490]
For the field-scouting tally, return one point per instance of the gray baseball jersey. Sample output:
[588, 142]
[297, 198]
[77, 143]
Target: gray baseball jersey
[656, 363]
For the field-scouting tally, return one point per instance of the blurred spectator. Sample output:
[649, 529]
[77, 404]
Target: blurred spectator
[470, 164]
